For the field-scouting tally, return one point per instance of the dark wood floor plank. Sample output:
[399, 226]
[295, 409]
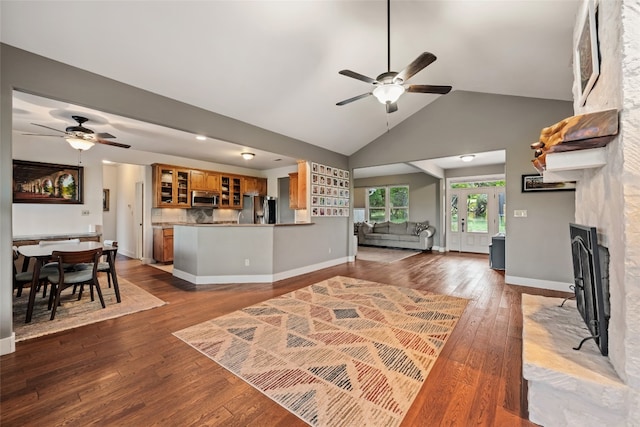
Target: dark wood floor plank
[133, 371]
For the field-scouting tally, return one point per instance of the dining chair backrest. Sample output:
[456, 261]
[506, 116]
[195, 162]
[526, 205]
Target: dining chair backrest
[57, 242]
[76, 257]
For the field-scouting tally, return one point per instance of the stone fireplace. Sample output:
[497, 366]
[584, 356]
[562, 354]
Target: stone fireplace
[565, 386]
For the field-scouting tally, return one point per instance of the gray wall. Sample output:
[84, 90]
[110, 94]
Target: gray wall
[424, 196]
[538, 247]
[475, 171]
[41, 76]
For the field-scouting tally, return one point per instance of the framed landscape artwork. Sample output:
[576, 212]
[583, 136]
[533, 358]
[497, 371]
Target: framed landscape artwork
[587, 64]
[105, 199]
[534, 183]
[35, 182]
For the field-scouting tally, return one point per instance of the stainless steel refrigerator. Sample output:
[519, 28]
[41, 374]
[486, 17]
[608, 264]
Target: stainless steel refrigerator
[252, 210]
[270, 210]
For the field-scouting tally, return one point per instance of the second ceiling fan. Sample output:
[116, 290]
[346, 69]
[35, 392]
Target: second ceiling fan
[389, 86]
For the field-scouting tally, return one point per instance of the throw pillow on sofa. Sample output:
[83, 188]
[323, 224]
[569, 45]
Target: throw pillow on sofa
[421, 226]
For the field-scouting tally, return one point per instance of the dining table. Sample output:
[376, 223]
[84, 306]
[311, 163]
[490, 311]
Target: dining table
[42, 254]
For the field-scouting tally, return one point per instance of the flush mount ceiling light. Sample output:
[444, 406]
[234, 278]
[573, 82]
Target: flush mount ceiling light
[80, 144]
[247, 156]
[201, 138]
[467, 157]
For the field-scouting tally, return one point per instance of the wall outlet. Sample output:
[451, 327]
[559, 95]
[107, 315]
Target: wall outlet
[246, 262]
[85, 212]
[520, 213]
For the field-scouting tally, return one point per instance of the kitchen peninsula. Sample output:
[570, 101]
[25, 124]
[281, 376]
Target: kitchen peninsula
[253, 253]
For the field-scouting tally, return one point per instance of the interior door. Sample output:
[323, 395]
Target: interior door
[473, 217]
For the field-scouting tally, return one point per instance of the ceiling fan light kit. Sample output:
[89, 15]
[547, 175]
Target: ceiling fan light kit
[389, 86]
[80, 137]
[388, 93]
[80, 143]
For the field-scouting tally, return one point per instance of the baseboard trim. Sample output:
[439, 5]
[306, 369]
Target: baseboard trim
[8, 344]
[256, 278]
[538, 283]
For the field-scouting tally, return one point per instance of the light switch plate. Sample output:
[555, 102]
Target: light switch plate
[520, 213]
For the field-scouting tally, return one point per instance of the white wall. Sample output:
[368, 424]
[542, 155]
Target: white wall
[38, 219]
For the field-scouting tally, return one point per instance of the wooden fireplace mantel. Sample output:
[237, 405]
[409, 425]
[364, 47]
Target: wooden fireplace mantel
[581, 132]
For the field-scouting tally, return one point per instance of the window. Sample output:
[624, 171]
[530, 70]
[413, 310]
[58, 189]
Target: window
[389, 203]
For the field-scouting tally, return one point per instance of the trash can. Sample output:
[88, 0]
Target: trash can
[496, 252]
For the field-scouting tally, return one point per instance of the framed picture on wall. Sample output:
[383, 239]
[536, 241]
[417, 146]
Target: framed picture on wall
[534, 183]
[35, 182]
[105, 199]
[587, 63]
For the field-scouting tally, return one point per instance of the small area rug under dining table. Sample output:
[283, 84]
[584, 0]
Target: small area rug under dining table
[73, 313]
[341, 352]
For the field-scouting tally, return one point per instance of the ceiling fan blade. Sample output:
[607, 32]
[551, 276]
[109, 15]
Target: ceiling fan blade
[42, 134]
[47, 127]
[357, 76]
[355, 98]
[442, 90]
[115, 144]
[104, 135]
[392, 107]
[417, 65]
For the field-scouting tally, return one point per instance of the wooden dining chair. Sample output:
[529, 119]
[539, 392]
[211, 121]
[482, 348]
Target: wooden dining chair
[22, 278]
[64, 279]
[103, 266]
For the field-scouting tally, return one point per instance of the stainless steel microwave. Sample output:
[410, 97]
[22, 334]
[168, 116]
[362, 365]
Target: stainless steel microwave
[204, 199]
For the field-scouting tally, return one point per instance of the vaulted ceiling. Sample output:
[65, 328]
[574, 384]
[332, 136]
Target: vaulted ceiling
[275, 64]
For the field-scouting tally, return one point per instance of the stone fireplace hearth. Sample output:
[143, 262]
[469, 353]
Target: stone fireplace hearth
[567, 387]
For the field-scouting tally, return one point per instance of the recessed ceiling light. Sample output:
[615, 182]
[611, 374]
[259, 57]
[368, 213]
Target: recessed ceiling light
[247, 156]
[201, 138]
[467, 157]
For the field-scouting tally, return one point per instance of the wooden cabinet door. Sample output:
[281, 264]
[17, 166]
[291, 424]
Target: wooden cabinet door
[230, 192]
[212, 181]
[198, 180]
[250, 185]
[262, 186]
[302, 185]
[172, 187]
[293, 190]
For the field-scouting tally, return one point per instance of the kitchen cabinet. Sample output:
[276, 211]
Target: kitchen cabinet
[255, 186]
[230, 192]
[171, 187]
[298, 187]
[293, 190]
[163, 244]
[205, 180]
[262, 186]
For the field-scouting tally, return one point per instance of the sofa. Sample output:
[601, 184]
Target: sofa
[408, 235]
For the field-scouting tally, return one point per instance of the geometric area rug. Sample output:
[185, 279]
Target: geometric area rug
[341, 352]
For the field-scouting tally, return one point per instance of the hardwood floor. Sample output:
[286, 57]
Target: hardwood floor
[131, 371]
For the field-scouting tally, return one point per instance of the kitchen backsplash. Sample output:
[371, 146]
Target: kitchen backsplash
[193, 215]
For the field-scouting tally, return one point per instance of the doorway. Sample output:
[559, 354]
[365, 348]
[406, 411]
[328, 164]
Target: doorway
[475, 213]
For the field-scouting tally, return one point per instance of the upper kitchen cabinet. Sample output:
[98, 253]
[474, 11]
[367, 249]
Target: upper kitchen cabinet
[298, 187]
[254, 186]
[171, 187]
[230, 192]
[205, 181]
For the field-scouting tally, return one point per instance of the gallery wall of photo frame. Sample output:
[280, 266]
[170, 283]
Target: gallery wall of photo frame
[329, 191]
